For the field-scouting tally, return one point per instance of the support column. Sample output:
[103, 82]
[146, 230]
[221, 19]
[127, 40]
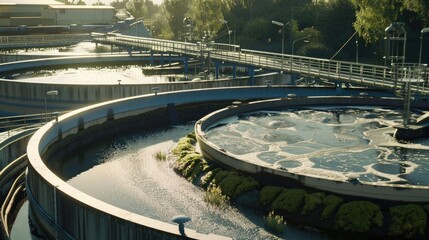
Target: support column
[251, 71]
[234, 71]
[151, 61]
[162, 59]
[217, 66]
[338, 88]
[186, 65]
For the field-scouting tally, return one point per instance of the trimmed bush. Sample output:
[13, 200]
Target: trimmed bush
[359, 216]
[183, 163]
[407, 221]
[184, 145]
[229, 184]
[208, 177]
[311, 201]
[290, 200]
[223, 174]
[331, 204]
[233, 185]
[268, 194]
[275, 222]
[246, 185]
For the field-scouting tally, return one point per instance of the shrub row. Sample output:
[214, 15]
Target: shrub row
[406, 221]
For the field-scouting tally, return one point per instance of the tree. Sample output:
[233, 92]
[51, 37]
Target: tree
[372, 17]
[206, 15]
[421, 8]
[175, 13]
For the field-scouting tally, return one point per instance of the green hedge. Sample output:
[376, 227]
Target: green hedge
[407, 221]
[331, 204]
[359, 216]
[268, 194]
[289, 200]
[312, 201]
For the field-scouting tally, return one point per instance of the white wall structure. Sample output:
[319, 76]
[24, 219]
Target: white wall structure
[23, 12]
[77, 14]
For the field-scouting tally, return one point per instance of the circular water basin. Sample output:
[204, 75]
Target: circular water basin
[353, 143]
[123, 172]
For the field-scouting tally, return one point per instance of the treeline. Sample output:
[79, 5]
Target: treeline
[351, 30]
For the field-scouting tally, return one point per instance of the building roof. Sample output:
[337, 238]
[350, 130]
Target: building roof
[79, 7]
[29, 2]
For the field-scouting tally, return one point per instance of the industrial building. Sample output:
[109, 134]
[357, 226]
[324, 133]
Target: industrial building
[23, 12]
[50, 12]
[78, 14]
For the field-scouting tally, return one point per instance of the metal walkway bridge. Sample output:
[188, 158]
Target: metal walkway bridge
[409, 79]
[391, 78]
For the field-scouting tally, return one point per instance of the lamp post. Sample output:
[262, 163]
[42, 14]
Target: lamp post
[229, 30]
[424, 30]
[282, 25]
[49, 93]
[299, 39]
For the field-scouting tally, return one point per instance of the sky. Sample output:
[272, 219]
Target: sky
[107, 2]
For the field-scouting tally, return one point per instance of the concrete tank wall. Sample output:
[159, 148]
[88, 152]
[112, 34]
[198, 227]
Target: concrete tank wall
[391, 192]
[51, 199]
[29, 97]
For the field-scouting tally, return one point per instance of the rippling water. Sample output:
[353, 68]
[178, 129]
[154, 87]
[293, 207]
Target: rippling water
[130, 74]
[333, 143]
[124, 173]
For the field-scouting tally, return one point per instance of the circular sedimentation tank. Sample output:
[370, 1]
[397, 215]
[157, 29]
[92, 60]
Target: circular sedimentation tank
[333, 144]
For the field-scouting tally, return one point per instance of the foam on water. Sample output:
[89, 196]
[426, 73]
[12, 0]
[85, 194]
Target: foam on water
[333, 143]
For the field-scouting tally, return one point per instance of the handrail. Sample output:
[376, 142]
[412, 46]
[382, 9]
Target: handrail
[6, 207]
[23, 122]
[42, 40]
[350, 72]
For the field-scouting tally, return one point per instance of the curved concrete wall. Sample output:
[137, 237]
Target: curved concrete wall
[26, 98]
[67, 213]
[379, 191]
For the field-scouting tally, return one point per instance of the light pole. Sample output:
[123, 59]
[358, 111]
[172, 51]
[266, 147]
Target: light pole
[424, 30]
[229, 30]
[282, 25]
[49, 93]
[299, 39]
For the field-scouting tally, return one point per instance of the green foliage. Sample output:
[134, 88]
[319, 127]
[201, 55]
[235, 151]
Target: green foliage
[206, 15]
[189, 159]
[229, 184]
[330, 203]
[208, 177]
[233, 185]
[223, 174]
[312, 201]
[214, 196]
[407, 221]
[275, 222]
[184, 145]
[372, 17]
[160, 156]
[246, 185]
[359, 216]
[190, 168]
[268, 194]
[289, 200]
[175, 11]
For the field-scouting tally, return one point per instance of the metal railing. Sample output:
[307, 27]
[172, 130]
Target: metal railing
[28, 41]
[349, 72]
[19, 123]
